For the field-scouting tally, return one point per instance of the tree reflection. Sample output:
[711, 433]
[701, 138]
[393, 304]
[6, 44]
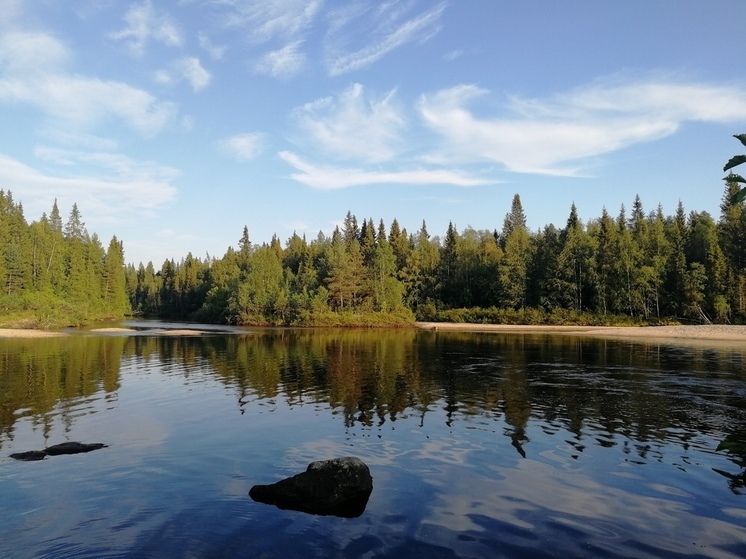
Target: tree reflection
[41, 379]
[604, 393]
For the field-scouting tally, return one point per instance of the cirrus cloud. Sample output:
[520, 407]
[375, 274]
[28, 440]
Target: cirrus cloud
[243, 147]
[334, 178]
[111, 185]
[383, 28]
[144, 24]
[282, 63]
[553, 136]
[353, 126]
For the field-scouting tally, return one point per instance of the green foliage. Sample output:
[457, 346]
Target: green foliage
[53, 278]
[635, 270]
[534, 316]
[740, 194]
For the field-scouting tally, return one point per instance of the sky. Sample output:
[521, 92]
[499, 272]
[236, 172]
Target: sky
[172, 124]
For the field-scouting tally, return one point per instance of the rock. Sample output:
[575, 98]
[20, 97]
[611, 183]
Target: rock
[56, 450]
[29, 456]
[339, 487]
[72, 448]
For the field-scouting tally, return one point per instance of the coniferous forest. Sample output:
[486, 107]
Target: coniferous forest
[631, 267]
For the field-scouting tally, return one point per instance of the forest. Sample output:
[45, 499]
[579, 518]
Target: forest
[57, 275]
[630, 268]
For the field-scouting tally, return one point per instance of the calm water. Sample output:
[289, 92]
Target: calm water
[479, 445]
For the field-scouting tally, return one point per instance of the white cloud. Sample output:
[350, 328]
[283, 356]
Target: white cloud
[282, 63]
[36, 74]
[31, 53]
[243, 147]
[191, 70]
[353, 126]
[453, 55]
[553, 136]
[267, 20]
[144, 24]
[109, 185]
[216, 52]
[383, 29]
[333, 178]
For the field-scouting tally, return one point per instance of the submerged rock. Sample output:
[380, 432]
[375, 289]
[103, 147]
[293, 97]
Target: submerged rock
[56, 450]
[339, 487]
[30, 455]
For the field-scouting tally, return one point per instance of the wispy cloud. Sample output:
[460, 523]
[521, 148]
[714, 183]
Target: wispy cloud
[216, 52]
[554, 135]
[333, 178]
[382, 29]
[243, 147]
[282, 63]
[189, 69]
[111, 185]
[352, 126]
[268, 20]
[143, 24]
[36, 74]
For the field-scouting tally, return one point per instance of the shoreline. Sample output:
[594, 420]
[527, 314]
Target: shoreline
[722, 333]
[696, 333]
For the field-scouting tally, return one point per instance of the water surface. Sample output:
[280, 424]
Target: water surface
[480, 445]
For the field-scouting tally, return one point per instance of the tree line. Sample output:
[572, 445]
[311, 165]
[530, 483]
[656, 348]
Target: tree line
[643, 266]
[57, 274]
[635, 266]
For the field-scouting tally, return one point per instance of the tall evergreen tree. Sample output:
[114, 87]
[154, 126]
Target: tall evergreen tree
[114, 278]
[517, 256]
[676, 267]
[515, 219]
[575, 262]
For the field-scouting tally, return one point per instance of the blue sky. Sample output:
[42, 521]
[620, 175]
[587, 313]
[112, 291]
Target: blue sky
[173, 124]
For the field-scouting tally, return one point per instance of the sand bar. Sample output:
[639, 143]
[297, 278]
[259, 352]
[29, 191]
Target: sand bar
[710, 332]
[27, 333]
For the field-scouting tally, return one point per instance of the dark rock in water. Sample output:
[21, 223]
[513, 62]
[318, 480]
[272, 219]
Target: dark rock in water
[339, 487]
[72, 448]
[30, 456]
[56, 450]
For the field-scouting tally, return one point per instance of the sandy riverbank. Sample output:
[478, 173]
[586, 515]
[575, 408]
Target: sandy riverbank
[713, 332]
[26, 333]
[710, 333]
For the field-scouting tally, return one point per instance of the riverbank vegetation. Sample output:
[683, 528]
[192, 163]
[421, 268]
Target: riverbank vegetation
[630, 268]
[57, 275]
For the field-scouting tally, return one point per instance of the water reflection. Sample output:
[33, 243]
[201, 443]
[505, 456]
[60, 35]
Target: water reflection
[480, 445]
[606, 393]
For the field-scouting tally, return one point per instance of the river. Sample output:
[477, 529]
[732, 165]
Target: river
[480, 445]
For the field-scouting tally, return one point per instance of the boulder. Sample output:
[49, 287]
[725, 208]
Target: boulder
[72, 448]
[29, 455]
[56, 450]
[339, 487]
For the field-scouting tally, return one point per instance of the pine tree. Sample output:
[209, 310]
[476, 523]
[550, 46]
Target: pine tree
[575, 261]
[399, 241]
[517, 256]
[244, 250]
[75, 228]
[114, 278]
[676, 267]
[732, 235]
[449, 293]
[606, 265]
[515, 219]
